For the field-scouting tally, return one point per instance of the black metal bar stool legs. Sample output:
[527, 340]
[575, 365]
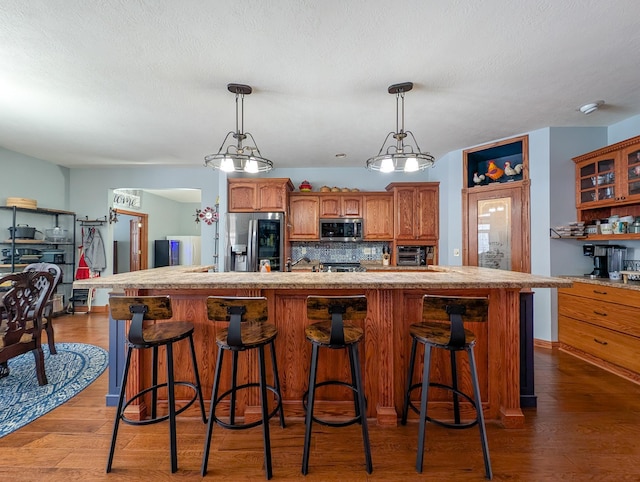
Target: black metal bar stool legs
[336, 334]
[452, 336]
[247, 330]
[153, 336]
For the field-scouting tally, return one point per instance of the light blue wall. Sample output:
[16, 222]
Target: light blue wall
[28, 177]
[623, 130]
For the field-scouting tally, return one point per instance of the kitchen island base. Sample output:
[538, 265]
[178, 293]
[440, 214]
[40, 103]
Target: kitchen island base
[384, 356]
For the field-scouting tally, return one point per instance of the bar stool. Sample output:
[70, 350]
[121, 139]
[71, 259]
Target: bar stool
[332, 332]
[153, 336]
[248, 330]
[434, 332]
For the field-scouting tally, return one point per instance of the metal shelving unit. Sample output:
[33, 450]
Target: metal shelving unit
[69, 246]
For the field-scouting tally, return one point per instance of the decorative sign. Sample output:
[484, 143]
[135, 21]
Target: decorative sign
[128, 198]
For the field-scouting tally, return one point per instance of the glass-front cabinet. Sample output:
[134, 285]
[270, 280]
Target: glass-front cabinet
[631, 166]
[609, 176]
[597, 180]
[495, 206]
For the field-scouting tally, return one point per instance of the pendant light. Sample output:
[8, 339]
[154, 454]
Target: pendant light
[236, 157]
[403, 155]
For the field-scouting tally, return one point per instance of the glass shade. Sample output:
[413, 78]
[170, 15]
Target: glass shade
[411, 165]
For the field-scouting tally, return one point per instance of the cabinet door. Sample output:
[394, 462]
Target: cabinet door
[629, 174]
[596, 181]
[330, 206]
[378, 216]
[428, 212]
[496, 231]
[406, 216]
[242, 197]
[303, 218]
[351, 205]
[271, 197]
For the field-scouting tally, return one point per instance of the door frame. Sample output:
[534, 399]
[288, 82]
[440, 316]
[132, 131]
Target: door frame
[143, 223]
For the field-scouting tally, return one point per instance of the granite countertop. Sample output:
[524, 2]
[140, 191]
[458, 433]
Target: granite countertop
[630, 285]
[435, 277]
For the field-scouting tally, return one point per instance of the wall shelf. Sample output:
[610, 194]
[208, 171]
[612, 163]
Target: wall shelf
[92, 222]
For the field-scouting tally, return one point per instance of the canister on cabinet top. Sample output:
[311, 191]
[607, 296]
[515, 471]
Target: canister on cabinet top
[635, 226]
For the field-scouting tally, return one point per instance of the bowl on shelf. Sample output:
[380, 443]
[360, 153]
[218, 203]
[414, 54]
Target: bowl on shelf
[57, 235]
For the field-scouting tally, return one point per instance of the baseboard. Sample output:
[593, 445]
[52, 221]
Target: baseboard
[549, 345]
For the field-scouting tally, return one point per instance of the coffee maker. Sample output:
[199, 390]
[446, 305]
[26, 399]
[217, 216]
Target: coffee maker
[600, 259]
[607, 259]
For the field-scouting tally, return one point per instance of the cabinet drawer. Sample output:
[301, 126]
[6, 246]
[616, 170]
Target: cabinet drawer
[604, 293]
[625, 319]
[611, 346]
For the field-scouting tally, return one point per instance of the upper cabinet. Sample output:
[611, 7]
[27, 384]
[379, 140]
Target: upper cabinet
[609, 176]
[378, 216]
[304, 224]
[261, 195]
[337, 205]
[416, 210]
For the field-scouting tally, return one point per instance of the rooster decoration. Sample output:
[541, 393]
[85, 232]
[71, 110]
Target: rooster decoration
[478, 178]
[493, 171]
[512, 171]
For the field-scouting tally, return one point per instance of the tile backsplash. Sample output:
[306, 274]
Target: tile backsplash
[336, 252]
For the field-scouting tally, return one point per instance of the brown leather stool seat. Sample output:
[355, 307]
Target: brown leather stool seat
[442, 327]
[248, 330]
[153, 336]
[332, 331]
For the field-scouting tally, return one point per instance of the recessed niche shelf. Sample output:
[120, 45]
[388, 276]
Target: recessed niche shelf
[500, 162]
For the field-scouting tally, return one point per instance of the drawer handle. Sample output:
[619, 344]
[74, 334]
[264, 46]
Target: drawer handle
[600, 292]
[600, 342]
[599, 313]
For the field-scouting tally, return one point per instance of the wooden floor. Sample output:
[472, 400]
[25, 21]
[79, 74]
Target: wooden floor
[584, 428]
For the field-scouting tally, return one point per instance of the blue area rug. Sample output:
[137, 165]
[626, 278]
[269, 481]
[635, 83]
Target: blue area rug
[73, 369]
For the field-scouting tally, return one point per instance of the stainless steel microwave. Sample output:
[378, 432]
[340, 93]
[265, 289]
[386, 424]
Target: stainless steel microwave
[341, 229]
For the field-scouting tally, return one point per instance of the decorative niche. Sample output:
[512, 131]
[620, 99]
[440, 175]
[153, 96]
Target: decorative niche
[496, 163]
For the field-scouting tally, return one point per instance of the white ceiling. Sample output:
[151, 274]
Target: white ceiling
[120, 82]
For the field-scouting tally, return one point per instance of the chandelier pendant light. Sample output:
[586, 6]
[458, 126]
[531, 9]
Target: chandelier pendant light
[403, 155]
[236, 157]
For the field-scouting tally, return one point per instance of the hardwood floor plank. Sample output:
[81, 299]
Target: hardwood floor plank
[584, 428]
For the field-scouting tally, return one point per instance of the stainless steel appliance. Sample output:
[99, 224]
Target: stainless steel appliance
[413, 255]
[343, 267]
[166, 253]
[341, 229]
[606, 258]
[252, 237]
[615, 261]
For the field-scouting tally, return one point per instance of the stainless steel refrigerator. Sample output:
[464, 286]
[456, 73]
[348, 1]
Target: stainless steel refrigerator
[252, 237]
[167, 252]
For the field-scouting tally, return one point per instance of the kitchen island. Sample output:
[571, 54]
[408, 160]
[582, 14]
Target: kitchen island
[394, 302]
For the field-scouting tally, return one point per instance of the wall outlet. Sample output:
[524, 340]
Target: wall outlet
[456, 252]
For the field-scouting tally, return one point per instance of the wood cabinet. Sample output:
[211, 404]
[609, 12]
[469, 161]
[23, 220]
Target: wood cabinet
[608, 181]
[601, 324]
[378, 216]
[417, 211]
[304, 224]
[496, 210]
[262, 195]
[338, 205]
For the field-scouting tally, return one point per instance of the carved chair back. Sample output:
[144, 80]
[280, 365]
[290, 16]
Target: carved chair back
[21, 324]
